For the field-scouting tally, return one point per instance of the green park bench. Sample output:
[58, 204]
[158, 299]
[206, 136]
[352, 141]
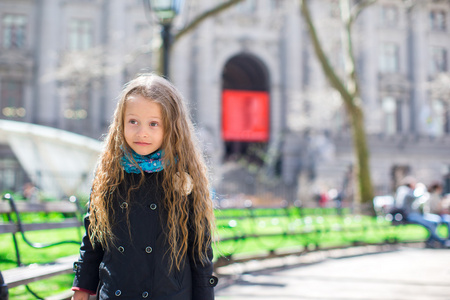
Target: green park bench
[284, 231]
[11, 223]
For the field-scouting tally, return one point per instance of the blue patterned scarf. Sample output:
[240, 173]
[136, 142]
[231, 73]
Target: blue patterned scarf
[148, 163]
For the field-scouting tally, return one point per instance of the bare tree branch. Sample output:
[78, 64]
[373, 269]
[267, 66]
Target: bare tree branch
[335, 81]
[199, 19]
[350, 64]
[349, 16]
[192, 26]
[358, 8]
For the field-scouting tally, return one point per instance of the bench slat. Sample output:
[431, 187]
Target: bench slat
[67, 295]
[35, 272]
[67, 223]
[25, 206]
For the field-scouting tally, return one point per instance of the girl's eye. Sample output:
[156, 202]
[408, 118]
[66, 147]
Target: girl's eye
[153, 124]
[132, 122]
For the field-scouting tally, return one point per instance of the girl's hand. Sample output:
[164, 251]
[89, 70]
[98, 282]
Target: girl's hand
[80, 295]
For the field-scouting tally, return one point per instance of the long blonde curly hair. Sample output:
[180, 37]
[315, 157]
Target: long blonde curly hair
[180, 145]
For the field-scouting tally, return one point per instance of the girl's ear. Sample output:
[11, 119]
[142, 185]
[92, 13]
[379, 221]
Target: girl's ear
[183, 185]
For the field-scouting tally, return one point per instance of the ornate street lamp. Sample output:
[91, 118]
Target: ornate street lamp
[166, 11]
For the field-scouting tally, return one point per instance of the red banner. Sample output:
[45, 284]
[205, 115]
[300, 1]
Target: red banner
[245, 116]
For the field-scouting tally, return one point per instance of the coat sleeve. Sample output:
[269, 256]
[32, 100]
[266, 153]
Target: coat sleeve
[87, 267]
[203, 281]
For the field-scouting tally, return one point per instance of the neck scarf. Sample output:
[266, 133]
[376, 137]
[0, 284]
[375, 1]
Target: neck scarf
[150, 163]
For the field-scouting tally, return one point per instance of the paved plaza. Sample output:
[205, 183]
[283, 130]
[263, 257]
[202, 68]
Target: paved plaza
[403, 273]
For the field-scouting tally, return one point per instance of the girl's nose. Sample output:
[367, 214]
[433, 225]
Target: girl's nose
[143, 132]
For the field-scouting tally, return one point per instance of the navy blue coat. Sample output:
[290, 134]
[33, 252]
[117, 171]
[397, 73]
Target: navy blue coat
[136, 267]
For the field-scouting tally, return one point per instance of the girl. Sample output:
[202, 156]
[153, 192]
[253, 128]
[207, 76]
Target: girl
[150, 214]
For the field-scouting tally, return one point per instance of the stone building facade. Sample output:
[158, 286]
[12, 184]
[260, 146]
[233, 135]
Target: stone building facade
[63, 63]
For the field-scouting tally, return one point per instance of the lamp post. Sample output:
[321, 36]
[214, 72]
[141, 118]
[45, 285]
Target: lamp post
[166, 11]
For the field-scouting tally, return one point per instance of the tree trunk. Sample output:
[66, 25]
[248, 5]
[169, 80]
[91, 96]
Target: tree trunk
[350, 95]
[362, 156]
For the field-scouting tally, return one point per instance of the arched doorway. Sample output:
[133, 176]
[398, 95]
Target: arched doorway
[245, 108]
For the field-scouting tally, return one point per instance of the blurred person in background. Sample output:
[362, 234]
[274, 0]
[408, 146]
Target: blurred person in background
[410, 198]
[435, 205]
[31, 192]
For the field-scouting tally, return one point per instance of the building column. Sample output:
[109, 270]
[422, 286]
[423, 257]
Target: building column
[48, 48]
[417, 64]
[115, 53]
[291, 66]
[369, 76]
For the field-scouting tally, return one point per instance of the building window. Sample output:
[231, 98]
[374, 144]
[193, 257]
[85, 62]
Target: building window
[337, 56]
[248, 6]
[439, 117]
[438, 20]
[77, 104]
[80, 35]
[389, 15]
[334, 9]
[12, 103]
[391, 115]
[389, 58]
[14, 29]
[276, 4]
[143, 34]
[438, 60]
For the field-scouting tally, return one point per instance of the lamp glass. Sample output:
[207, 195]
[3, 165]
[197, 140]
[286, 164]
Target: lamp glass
[166, 10]
[161, 5]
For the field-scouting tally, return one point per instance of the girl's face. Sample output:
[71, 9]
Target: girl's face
[143, 125]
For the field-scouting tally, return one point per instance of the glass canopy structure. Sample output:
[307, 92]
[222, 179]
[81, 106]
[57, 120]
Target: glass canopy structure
[58, 162]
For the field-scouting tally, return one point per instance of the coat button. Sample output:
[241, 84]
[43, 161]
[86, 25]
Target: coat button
[144, 294]
[121, 249]
[148, 249]
[153, 206]
[118, 293]
[213, 281]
